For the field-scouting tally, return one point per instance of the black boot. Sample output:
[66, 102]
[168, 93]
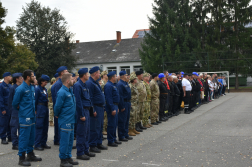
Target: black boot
[22, 161]
[31, 157]
[138, 129]
[141, 127]
[65, 163]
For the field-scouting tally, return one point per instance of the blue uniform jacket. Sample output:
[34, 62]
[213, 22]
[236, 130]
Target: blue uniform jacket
[14, 112]
[112, 96]
[95, 91]
[81, 93]
[54, 90]
[124, 92]
[41, 96]
[25, 99]
[4, 96]
[65, 106]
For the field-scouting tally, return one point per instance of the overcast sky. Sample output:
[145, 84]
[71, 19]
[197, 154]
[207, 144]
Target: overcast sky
[93, 20]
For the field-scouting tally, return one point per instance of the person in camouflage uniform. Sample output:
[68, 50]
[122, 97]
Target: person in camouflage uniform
[146, 78]
[104, 80]
[154, 99]
[134, 111]
[142, 98]
[50, 104]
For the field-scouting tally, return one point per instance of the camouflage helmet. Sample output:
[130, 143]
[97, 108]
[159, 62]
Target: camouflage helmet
[104, 73]
[146, 74]
[132, 77]
[53, 79]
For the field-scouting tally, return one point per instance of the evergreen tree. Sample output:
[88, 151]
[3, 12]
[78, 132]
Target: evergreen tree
[171, 34]
[45, 32]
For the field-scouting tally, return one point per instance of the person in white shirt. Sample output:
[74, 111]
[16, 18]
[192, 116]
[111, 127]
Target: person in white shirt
[211, 87]
[187, 88]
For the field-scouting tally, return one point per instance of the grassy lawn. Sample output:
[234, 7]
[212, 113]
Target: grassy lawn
[242, 87]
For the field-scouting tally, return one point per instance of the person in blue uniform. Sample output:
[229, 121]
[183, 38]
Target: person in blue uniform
[112, 101]
[96, 120]
[83, 105]
[64, 111]
[14, 123]
[56, 76]
[42, 114]
[5, 113]
[55, 88]
[24, 102]
[124, 107]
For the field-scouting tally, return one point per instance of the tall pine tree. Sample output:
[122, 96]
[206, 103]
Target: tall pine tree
[171, 35]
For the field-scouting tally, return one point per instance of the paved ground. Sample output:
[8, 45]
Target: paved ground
[217, 134]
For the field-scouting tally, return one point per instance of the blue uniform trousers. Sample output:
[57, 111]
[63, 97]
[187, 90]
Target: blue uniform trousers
[5, 126]
[82, 135]
[66, 142]
[14, 124]
[123, 121]
[27, 135]
[112, 125]
[56, 131]
[42, 125]
[96, 127]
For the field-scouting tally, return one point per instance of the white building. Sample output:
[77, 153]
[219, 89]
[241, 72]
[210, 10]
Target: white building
[112, 55]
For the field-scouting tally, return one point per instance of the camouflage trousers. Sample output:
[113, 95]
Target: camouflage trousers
[142, 110]
[134, 116]
[105, 123]
[51, 114]
[154, 110]
[146, 113]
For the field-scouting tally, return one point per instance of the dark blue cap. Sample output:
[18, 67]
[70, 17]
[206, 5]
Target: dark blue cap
[6, 74]
[62, 68]
[111, 73]
[73, 74]
[122, 73]
[34, 74]
[94, 69]
[45, 77]
[56, 75]
[15, 75]
[83, 71]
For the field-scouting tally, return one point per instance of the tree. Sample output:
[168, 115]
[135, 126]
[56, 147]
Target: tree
[45, 33]
[6, 40]
[171, 34]
[21, 59]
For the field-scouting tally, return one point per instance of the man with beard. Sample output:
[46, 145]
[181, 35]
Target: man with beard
[5, 113]
[24, 102]
[14, 123]
[64, 111]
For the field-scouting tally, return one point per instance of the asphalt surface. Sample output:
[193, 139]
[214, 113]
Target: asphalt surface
[216, 134]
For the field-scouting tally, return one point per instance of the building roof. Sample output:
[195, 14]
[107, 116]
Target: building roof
[108, 51]
[140, 33]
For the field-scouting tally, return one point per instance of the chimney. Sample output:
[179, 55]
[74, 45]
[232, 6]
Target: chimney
[118, 36]
[77, 41]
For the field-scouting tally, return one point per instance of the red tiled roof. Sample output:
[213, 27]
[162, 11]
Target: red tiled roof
[135, 34]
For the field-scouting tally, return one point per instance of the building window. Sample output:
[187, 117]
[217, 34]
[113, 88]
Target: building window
[111, 69]
[126, 68]
[138, 68]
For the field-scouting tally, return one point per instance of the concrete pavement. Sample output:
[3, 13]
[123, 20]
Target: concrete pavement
[216, 134]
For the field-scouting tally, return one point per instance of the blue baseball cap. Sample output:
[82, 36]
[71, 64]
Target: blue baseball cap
[94, 69]
[83, 71]
[15, 75]
[45, 77]
[182, 72]
[62, 68]
[122, 73]
[111, 73]
[73, 74]
[161, 75]
[56, 75]
[6, 74]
